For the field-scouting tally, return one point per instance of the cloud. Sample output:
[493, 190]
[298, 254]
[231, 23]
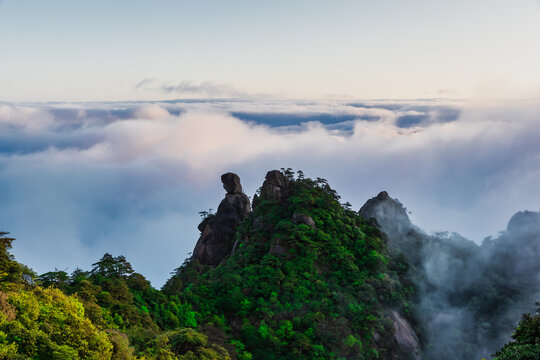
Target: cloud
[190, 88]
[95, 177]
[23, 118]
[151, 112]
[144, 83]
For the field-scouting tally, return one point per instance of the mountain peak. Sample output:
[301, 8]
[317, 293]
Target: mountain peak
[383, 195]
[390, 214]
[524, 222]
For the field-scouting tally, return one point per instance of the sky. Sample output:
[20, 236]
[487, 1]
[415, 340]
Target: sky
[61, 50]
[118, 118]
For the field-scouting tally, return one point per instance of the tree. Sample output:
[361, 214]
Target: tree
[56, 278]
[288, 172]
[51, 325]
[110, 266]
[12, 274]
[5, 257]
[526, 343]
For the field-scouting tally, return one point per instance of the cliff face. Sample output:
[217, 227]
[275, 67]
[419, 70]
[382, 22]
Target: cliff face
[217, 231]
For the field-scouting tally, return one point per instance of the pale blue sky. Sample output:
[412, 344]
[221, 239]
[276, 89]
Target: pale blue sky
[99, 50]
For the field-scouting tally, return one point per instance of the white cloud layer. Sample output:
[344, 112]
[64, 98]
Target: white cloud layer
[78, 180]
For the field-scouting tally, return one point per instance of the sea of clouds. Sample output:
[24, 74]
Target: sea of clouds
[81, 179]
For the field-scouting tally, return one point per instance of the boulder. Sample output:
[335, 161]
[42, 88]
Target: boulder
[278, 250]
[303, 219]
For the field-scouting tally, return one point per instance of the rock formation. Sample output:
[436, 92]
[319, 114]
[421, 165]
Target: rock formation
[389, 213]
[391, 217]
[217, 231]
[405, 337]
[275, 185]
[303, 219]
[524, 222]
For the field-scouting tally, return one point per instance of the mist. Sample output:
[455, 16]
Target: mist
[469, 297]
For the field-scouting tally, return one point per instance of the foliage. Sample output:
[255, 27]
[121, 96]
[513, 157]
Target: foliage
[321, 297]
[110, 312]
[13, 275]
[50, 325]
[187, 344]
[310, 279]
[110, 266]
[526, 343]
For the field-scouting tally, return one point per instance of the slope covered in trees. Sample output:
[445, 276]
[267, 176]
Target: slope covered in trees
[293, 275]
[526, 340]
[306, 278]
[109, 312]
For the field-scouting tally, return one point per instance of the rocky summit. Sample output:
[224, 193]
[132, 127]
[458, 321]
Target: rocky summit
[389, 213]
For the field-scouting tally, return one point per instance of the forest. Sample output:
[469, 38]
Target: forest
[295, 274]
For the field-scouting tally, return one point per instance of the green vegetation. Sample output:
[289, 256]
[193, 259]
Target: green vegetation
[295, 291]
[526, 343]
[110, 312]
[307, 278]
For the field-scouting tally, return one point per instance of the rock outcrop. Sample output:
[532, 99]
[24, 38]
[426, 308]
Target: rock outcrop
[275, 185]
[231, 183]
[524, 222]
[217, 231]
[389, 213]
[303, 219]
[405, 337]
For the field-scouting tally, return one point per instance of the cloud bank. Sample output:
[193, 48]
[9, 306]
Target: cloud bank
[78, 180]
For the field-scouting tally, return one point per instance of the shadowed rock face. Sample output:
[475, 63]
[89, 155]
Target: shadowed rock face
[389, 213]
[231, 183]
[303, 219]
[217, 231]
[405, 338]
[275, 185]
[524, 222]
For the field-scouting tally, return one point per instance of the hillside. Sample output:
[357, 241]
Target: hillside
[302, 277]
[294, 274]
